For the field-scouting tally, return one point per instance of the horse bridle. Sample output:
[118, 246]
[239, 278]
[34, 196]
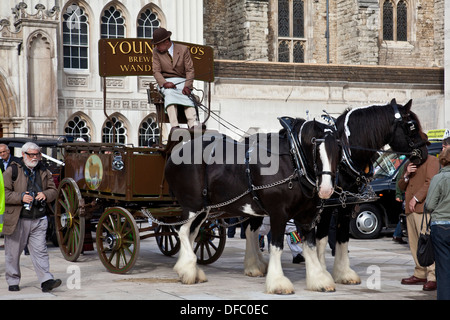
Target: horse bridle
[314, 141]
[410, 128]
[299, 157]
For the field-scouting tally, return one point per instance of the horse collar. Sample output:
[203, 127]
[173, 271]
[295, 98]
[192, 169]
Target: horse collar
[297, 151]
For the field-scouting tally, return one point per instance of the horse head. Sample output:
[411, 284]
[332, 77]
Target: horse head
[407, 134]
[319, 140]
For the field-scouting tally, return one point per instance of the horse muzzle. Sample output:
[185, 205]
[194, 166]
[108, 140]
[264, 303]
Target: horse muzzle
[418, 157]
[326, 188]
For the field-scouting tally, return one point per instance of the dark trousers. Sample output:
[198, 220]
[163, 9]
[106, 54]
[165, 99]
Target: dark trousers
[440, 235]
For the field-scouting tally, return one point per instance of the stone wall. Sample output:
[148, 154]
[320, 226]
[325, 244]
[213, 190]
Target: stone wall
[251, 95]
[237, 29]
[244, 30]
[420, 49]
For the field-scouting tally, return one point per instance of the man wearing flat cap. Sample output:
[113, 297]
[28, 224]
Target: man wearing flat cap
[173, 69]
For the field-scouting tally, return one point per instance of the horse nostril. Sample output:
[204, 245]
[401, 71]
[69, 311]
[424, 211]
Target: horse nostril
[325, 193]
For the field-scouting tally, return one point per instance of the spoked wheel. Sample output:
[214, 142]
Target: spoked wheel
[118, 240]
[167, 240]
[210, 241]
[69, 219]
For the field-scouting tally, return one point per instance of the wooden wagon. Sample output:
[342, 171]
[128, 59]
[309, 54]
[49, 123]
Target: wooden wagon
[119, 191]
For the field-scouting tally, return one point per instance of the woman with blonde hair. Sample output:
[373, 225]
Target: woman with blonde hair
[438, 203]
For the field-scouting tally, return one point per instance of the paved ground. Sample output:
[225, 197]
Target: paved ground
[381, 263]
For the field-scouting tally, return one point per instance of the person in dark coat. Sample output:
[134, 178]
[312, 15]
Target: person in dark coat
[25, 219]
[6, 156]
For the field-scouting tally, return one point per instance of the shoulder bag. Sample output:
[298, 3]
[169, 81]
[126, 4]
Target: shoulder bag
[425, 251]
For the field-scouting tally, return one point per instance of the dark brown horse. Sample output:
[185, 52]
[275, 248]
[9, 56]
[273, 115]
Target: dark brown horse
[215, 171]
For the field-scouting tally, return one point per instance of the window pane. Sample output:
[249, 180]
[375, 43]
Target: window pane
[75, 63]
[148, 133]
[298, 18]
[402, 20]
[78, 128]
[118, 127]
[147, 23]
[84, 40]
[66, 62]
[283, 51]
[75, 33]
[283, 18]
[298, 52]
[388, 23]
[112, 24]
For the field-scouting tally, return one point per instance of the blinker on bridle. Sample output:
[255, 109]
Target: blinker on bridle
[410, 128]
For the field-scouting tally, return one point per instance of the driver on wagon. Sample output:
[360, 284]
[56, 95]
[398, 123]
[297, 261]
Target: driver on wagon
[173, 69]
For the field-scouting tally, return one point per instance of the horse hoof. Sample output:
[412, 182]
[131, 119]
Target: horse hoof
[281, 292]
[254, 274]
[284, 293]
[351, 282]
[329, 289]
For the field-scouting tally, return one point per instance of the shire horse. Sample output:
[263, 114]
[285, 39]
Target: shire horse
[241, 189]
[362, 131]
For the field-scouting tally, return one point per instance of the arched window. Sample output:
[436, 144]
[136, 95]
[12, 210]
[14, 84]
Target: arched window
[291, 30]
[112, 24]
[148, 132]
[147, 23]
[395, 20]
[117, 128]
[75, 38]
[388, 21]
[78, 128]
[402, 21]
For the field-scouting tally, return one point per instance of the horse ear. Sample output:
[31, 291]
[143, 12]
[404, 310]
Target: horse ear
[393, 101]
[408, 105]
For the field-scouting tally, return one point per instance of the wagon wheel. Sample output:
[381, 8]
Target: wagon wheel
[167, 240]
[69, 219]
[118, 240]
[210, 241]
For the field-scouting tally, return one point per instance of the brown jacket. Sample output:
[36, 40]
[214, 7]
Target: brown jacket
[418, 183]
[182, 65]
[13, 194]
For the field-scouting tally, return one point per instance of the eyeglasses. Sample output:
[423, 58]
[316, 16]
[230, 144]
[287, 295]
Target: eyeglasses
[33, 155]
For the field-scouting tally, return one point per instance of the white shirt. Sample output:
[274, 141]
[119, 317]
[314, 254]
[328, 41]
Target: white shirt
[171, 50]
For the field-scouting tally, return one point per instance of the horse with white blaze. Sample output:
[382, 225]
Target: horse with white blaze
[237, 178]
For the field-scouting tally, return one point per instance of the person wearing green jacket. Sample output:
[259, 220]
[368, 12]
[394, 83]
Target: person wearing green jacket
[438, 203]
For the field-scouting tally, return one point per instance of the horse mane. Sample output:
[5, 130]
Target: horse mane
[354, 124]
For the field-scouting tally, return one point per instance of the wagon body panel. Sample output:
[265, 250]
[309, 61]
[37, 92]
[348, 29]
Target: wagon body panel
[121, 173]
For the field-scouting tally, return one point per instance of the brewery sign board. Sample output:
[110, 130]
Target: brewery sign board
[133, 57]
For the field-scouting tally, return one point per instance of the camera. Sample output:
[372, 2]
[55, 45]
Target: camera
[28, 206]
[40, 204]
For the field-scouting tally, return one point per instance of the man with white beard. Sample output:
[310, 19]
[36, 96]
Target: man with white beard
[29, 186]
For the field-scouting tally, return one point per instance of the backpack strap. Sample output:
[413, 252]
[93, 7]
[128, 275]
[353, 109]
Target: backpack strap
[14, 171]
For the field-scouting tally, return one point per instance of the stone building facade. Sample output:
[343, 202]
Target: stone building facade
[273, 57]
[247, 30]
[336, 33]
[49, 65]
